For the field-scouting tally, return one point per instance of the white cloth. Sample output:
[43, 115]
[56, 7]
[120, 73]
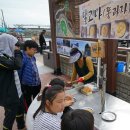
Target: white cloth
[7, 44]
[17, 83]
[31, 110]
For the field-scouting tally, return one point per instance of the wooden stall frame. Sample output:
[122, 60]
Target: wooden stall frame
[110, 52]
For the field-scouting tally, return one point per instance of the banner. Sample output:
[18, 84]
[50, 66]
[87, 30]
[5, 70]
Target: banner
[88, 48]
[105, 19]
[65, 20]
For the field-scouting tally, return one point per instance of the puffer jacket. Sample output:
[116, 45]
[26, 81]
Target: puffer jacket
[29, 73]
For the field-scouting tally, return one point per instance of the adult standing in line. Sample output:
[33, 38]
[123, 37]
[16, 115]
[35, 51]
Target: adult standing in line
[42, 41]
[10, 88]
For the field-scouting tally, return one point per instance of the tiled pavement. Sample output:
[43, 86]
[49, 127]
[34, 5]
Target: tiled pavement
[46, 74]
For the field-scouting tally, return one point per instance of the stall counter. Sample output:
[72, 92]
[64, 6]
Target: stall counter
[113, 104]
[48, 58]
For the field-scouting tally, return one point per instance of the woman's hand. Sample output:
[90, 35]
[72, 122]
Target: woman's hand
[69, 83]
[80, 79]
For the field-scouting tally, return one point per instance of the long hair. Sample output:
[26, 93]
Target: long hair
[49, 93]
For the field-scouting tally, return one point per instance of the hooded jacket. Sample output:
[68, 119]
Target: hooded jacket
[10, 61]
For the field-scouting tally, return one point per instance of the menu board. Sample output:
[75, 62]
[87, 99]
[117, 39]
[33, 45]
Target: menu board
[107, 19]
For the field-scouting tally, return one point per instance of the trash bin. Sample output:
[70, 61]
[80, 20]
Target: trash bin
[120, 66]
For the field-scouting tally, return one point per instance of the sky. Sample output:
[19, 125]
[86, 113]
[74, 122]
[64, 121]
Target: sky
[25, 12]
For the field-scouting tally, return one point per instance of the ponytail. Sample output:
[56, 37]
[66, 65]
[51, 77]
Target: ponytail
[49, 93]
[42, 105]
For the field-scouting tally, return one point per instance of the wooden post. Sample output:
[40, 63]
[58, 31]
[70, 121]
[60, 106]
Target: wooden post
[110, 60]
[53, 36]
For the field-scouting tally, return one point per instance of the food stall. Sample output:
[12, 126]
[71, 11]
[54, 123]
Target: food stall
[95, 29]
[66, 31]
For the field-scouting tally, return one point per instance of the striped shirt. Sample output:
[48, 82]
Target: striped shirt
[47, 121]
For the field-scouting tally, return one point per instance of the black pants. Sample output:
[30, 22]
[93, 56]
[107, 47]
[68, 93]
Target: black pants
[12, 112]
[30, 92]
[42, 47]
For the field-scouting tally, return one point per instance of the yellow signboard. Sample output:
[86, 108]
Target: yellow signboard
[106, 18]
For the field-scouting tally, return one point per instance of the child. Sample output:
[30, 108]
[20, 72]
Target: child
[28, 74]
[78, 120]
[52, 103]
[37, 101]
